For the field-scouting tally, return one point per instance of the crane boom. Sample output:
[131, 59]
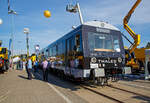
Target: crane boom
[135, 36]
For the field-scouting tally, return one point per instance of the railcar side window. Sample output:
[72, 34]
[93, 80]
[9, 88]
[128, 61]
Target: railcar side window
[70, 44]
[77, 43]
[47, 52]
[54, 51]
[50, 51]
[60, 48]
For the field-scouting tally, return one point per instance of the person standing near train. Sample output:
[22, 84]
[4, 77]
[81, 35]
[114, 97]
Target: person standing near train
[29, 68]
[148, 67]
[35, 66]
[45, 70]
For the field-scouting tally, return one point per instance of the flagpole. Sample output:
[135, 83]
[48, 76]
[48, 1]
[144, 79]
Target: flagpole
[10, 11]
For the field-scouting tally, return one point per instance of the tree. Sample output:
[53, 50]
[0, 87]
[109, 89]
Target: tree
[148, 45]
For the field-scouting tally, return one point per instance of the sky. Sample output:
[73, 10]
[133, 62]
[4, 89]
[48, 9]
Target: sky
[44, 31]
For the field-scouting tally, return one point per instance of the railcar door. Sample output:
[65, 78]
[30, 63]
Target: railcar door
[68, 55]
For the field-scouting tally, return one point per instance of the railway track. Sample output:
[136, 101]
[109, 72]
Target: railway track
[136, 81]
[144, 82]
[121, 95]
[134, 93]
[101, 94]
[142, 86]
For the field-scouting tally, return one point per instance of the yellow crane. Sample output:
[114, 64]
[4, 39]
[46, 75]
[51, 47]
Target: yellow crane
[130, 60]
[135, 36]
[4, 62]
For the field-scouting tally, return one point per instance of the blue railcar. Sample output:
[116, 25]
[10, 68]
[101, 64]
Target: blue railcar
[94, 50]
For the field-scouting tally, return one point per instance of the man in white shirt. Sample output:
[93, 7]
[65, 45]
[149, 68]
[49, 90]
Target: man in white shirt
[45, 70]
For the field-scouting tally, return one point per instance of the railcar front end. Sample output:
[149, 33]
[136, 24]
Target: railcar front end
[103, 50]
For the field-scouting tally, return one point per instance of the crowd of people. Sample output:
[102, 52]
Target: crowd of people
[33, 66]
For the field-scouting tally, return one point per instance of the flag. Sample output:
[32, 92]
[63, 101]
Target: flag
[10, 41]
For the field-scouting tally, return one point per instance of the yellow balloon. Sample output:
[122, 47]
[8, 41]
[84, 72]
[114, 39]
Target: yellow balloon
[47, 13]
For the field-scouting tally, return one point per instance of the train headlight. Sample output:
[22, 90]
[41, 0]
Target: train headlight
[119, 59]
[93, 60]
[103, 65]
[115, 64]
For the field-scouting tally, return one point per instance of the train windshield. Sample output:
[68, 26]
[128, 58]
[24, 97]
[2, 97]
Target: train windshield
[103, 42]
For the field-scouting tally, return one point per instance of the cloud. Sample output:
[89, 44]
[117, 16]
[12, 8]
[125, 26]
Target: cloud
[44, 31]
[114, 12]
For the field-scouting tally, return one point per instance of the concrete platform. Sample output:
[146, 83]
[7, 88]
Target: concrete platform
[16, 88]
